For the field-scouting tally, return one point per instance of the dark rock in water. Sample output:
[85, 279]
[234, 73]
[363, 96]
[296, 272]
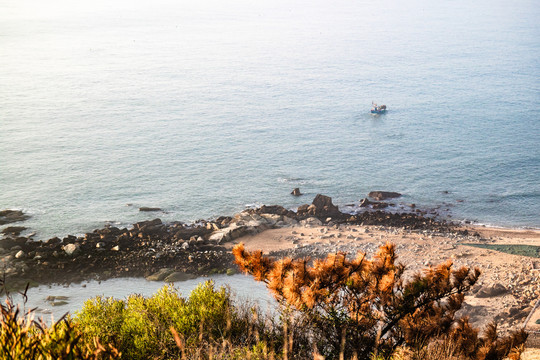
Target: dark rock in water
[383, 195]
[365, 202]
[373, 204]
[147, 209]
[13, 230]
[296, 192]
[10, 216]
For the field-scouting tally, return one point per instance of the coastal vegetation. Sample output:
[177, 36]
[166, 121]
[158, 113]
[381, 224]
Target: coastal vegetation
[360, 308]
[332, 308]
[514, 249]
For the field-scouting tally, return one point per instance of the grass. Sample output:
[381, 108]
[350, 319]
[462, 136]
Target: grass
[514, 249]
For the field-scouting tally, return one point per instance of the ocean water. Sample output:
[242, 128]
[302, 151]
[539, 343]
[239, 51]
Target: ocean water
[204, 107]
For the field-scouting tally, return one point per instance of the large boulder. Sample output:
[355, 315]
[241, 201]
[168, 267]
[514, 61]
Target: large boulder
[72, 249]
[321, 206]
[383, 195]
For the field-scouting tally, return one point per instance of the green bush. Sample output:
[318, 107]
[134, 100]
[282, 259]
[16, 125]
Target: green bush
[21, 337]
[102, 318]
[140, 327]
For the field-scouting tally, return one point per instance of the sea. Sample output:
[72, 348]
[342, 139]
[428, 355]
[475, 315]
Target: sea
[204, 108]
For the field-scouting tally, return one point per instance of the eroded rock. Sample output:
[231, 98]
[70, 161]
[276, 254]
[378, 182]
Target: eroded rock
[383, 195]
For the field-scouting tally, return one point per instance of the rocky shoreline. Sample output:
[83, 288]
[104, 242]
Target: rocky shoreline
[507, 291]
[172, 251]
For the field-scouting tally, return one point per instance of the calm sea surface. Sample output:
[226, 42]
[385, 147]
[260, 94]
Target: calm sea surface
[201, 107]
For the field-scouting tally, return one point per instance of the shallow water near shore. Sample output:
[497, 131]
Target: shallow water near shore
[71, 298]
[203, 107]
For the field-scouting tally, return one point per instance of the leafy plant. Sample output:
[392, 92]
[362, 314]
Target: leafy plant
[21, 337]
[168, 326]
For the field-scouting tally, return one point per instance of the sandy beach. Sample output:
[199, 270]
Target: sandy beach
[506, 292]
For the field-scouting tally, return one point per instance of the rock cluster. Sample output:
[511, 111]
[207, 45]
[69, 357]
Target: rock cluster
[150, 246]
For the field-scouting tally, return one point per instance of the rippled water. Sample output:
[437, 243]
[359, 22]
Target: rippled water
[202, 107]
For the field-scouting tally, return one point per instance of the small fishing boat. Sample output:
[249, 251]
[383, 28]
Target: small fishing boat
[378, 109]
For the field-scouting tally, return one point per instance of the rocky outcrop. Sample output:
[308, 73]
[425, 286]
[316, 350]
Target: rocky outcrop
[275, 210]
[11, 216]
[321, 207]
[383, 195]
[149, 246]
[13, 230]
[296, 192]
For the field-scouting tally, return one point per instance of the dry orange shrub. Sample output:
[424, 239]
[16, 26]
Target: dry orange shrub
[362, 307]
